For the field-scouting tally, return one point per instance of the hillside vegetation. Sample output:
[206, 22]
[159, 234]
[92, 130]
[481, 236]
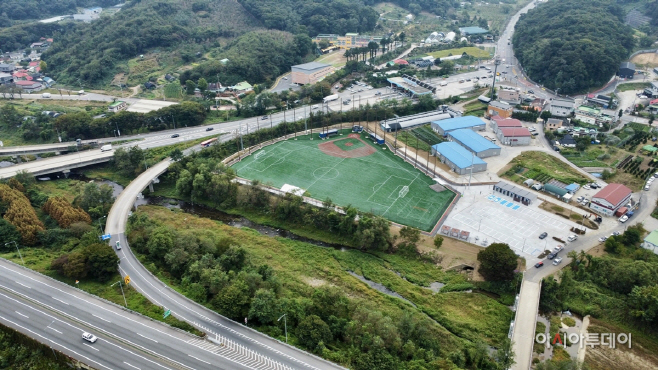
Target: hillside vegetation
[572, 46]
[94, 52]
[39, 9]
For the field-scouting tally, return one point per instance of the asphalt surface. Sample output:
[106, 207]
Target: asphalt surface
[265, 349]
[57, 315]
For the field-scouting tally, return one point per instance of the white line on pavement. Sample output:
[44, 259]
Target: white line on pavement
[25, 316]
[198, 359]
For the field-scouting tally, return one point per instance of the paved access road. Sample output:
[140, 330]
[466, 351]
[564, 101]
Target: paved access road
[262, 349]
[57, 315]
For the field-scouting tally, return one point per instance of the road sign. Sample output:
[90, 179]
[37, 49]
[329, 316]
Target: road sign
[106, 236]
[127, 279]
[167, 313]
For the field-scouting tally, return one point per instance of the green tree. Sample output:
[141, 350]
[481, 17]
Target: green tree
[101, 260]
[497, 262]
[43, 66]
[438, 241]
[160, 242]
[189, 87]
[202, 84]
[312, 331]
[176, 155]
[234, 300]
[644, 303]
[233, 259]
[505, 354]
[8, 233]
[264, 306]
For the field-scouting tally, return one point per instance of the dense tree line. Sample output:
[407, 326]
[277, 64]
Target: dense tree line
[572, 45]
[39, 9]
[20, 36]
[215, 269]
[317, 16]
[18, 211]
[64, 213]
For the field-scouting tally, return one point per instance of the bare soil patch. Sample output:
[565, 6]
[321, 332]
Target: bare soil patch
[646, 59]
[330, 148]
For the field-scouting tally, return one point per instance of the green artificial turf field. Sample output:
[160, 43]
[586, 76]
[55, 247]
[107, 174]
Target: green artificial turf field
[352, 171]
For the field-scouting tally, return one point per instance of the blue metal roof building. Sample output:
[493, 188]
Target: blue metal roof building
[447, 125]
[474, 143]
[458, 158]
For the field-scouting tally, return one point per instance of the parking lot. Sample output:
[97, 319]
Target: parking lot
[492, 218]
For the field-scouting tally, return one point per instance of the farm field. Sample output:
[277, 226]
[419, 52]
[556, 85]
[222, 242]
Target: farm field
[471, 50]
[351, 171]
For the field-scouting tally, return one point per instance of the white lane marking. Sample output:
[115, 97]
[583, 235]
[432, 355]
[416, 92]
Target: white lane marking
[25, 316]
[54, 330]
[133, 366]
[147, 338]
[23, 285]
[146, 359]
[92, 347]
[53, 342]
[95, 327]
[198, 359]
[60, 301]
[98, 317]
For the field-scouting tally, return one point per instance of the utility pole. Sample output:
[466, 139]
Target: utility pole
[124, 296]
[285, 325]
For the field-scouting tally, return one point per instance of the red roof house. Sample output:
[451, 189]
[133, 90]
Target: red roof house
[610, 199]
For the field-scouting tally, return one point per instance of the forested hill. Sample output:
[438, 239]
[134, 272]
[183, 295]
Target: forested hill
[40, 9]
[572, 45]
[94, 52]
[319, 16]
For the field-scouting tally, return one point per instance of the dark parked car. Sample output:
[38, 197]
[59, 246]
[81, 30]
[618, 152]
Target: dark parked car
[210, 128]
[175, 135]
[539, 264]
[552, 255]
[543, 235]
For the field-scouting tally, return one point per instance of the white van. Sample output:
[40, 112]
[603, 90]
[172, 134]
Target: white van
[106, 148]
[443, 83]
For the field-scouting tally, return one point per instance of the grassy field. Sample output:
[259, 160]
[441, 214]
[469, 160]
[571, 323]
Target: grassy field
[539, 165]
[633, 86]
[472, 50]
[301, 267]
[380, 183]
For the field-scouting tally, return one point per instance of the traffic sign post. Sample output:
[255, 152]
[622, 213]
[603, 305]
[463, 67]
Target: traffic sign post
[106, 236]
[127, 279]
[166, 314]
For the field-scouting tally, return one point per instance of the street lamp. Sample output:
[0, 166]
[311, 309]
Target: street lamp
[285, 325]
[121, 286]
[19, 251]
[99, 223]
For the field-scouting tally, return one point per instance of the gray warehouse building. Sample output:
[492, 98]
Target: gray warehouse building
[414, 120]
[562, 107]
[474, 143]
[458, 159]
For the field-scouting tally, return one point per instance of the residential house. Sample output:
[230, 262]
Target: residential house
[29, 86]
[169, 78]
[48, 81]
[592, 115]
[652, 91]
[502, 109]
[602, 100]
[7, 68]
[568, 141]
[6, 78]
[150, 85]
[242, 87]
[553, 124]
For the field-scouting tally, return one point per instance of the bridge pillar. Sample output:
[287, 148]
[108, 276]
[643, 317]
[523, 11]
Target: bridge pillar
[151, 188]
[66, 173]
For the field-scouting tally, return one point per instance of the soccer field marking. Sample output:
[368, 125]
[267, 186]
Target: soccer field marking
[395, 201]
[331, 168]
[270, 153]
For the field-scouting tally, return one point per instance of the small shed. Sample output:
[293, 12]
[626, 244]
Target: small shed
[529, 182]
[572, 188]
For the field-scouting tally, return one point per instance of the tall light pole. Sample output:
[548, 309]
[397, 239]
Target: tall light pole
[285, 325]
[19, 251]
[493, 84]
[121, 286]
[99, 224]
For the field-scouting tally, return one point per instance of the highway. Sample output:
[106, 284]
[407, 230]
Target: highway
[265, 348]
[57, 315]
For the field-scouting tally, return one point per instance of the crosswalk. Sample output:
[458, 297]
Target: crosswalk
[238, 353]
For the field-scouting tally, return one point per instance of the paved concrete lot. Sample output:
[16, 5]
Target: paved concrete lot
[492, 218]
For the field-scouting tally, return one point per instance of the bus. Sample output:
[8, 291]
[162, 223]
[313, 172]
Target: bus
[207, 143]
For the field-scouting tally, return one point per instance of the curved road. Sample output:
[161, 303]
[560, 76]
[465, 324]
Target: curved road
[265, 349]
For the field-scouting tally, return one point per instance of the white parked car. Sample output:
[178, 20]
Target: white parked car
[572, 237]
[89, 337]
[557, 261]
[586, 187]
[646, 188]
[623, 218]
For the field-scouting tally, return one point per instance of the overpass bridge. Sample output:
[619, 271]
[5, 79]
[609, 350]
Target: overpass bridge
[58, 164]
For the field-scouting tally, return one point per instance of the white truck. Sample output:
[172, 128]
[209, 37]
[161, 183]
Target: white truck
[330, 98]
[45, 95]
[106, 148]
